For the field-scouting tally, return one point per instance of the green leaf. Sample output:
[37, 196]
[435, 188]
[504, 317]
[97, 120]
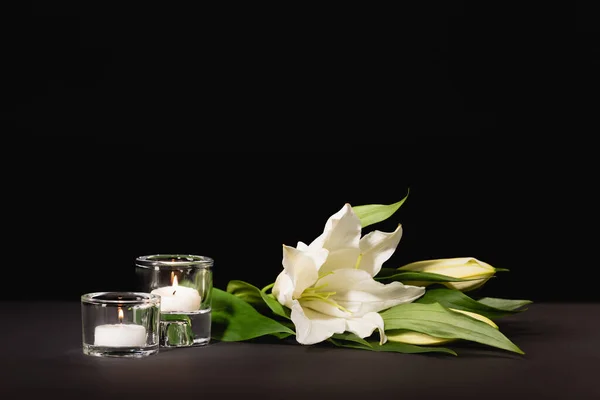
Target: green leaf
[505, 304]
[175, 317]
[452, 298]
[370, 214]
[245, 291]
[180, 335]
[282, 335]
[187, 283]
[386, 271]
[351, 337]
[415, 276]
[436, 320]
[235, 320]
[393, 347]
[251, 294]
[179, 331]
[275, 306]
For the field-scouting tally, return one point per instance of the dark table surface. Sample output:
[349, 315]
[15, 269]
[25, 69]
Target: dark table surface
[41, 357]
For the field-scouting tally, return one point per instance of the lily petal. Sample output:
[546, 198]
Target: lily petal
[376, 248]
[339, 259]
[302, 246]
[462, 267]
[419, 338]
[283, 289]
[323, 307]
[468, 285]
[359, 293]
[342, 230]
[313, 327]
[302, 267]
[365, 325]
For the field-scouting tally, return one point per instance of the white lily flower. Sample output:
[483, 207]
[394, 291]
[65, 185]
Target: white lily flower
[329, 285]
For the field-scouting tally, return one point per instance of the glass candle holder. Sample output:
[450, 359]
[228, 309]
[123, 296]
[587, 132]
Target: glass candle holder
[184, 283]
[120, 324]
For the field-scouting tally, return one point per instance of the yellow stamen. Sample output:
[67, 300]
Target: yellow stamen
[324, 297]
[358, 261]
[313, 289]
[325, 274]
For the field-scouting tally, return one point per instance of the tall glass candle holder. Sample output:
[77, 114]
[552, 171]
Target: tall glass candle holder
[120, 324]
[184, 283]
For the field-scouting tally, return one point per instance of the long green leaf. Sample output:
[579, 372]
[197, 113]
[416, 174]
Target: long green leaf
[275, 306]
[386, 271]
[351, 337]
[436, 320]
[415, 276]
[282, 335]
[370, 214]
[393, 347]
[245, 291]
[235, 320]
[257, 297]
[452, 298]
[505, 304]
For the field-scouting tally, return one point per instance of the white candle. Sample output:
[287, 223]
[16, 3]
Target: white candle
[120, 335]
[177, 298]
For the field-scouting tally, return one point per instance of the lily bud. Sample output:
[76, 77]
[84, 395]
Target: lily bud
[419, 338]
[478, 272]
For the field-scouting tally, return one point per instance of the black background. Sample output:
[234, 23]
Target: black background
[82, 213]
[230, 132]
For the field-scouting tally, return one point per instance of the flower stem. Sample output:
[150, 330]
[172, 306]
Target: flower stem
[269, 286]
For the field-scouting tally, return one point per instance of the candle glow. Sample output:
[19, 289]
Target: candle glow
[174, 283]
[120, 335]
[178, 299]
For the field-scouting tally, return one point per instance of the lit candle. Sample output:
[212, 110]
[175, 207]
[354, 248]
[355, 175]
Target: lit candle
[120, 335]
[177, 298]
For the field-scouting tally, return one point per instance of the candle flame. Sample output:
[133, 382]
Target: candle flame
[120, 315]
[175, 284]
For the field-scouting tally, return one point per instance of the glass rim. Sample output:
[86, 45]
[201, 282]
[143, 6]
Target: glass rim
[143, 298]
[170, 261]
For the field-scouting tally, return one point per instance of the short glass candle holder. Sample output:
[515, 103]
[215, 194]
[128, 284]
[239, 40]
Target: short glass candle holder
[120, 324]
[184, 283]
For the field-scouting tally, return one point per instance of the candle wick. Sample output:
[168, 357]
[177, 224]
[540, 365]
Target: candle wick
[174, 292]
